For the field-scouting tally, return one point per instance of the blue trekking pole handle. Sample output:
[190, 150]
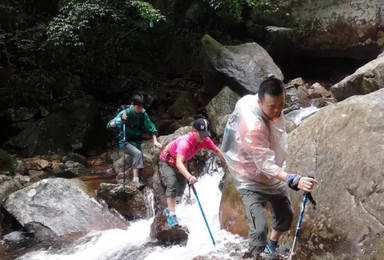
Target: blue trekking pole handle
[298, 226]
[202, 212]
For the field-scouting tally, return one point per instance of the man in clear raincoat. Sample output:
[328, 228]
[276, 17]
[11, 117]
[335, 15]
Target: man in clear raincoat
[254, 146]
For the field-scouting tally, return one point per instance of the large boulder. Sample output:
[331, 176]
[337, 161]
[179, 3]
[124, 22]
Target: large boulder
[220, 107]
[342, 28]
[56, 207]
[342, 146]
[232, 212]
[242, 67]
[366, 79]
[349, 28]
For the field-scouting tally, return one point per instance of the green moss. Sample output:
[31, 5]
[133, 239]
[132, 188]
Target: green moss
[212, 47]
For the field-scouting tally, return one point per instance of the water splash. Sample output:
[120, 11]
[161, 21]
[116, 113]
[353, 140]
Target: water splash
[135, 242]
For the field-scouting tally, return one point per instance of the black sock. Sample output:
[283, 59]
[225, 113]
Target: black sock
[272, 243]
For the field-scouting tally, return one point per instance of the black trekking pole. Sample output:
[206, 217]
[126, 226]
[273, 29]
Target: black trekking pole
[202, 212]
[306, 195]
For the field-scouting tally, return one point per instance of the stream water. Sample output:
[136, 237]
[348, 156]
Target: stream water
[135, 242]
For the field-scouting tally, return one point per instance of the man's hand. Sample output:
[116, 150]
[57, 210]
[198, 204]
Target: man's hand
[157, 144]
[307, 184]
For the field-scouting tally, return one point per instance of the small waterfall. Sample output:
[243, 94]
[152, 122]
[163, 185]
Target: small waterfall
[135, 242]
[150, 201]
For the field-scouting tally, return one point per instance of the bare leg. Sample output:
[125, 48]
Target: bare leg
[171, 202]
[136, 173]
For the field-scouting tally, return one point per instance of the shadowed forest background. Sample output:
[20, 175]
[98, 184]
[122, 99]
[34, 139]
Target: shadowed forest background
[55, 51]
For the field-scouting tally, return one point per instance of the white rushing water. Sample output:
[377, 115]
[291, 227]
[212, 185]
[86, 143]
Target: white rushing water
[135, 242]
[297, 116]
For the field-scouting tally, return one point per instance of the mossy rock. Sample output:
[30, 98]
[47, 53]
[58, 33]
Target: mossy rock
[8, 163]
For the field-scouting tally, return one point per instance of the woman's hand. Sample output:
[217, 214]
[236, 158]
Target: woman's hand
[192, 180]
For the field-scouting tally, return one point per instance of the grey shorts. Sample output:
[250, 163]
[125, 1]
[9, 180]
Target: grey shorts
[281, 210]
[173, 180]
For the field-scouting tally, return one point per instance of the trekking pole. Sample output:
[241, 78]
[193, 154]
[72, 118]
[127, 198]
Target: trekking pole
[124, 155]
[202, 212]
[306, 196]
[298, 226]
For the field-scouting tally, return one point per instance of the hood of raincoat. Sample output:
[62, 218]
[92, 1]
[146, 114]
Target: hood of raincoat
[255, 147]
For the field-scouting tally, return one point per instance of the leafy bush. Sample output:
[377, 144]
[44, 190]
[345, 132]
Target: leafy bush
[231, 11]
[80, 21]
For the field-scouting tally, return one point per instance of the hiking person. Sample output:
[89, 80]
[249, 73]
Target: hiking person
[254, 146]
[136, 122]
[173, 171]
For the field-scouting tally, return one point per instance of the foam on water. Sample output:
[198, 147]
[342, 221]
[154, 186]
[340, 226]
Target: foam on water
[119, 244]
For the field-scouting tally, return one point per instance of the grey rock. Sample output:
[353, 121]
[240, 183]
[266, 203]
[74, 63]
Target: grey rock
[366, 79]
[62, 206]
[342, 147]
[220, 107]
[242, 67]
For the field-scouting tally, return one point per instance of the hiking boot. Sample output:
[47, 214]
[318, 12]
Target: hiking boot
[166, 212]
[138, 184]
[172, 220]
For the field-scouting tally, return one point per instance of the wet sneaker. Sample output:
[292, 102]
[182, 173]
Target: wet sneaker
[172, 220]
[272, 252]
[138, 184]
[270, 249]
[166, 212]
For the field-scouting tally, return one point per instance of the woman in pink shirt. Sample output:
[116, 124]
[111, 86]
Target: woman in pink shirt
[173, 171]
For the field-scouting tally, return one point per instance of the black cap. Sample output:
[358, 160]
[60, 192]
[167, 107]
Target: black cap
[202, 126]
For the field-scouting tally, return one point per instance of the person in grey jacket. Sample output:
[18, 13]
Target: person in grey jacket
[254, 146]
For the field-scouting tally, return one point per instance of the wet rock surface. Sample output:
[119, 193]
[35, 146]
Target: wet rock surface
[341, 146]
[61, 207]
[125, 199]
[161, 231]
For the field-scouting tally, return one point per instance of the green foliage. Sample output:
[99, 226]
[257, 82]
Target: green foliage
[232, 10]
[77, 20]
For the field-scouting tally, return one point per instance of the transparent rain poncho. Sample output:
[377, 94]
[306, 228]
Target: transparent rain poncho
[254, 147]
